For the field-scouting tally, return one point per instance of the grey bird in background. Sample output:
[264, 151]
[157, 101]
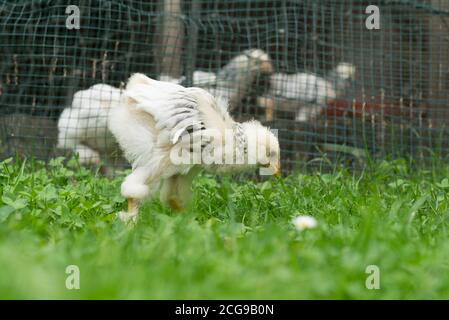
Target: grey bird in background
[233, 81]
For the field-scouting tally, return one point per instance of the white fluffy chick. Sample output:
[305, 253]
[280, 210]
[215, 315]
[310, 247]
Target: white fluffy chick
[83, 127]
[312, 90]
[157, 121]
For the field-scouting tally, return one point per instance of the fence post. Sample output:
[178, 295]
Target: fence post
[438, 70]
[170, 41]
[192, 36]
[438, 49]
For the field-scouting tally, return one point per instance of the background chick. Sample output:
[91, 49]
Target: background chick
[233, 82]
[83, 127]
[307, 93]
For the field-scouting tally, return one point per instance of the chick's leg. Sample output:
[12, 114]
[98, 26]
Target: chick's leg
[169, 194]
[133, 211]
[135, 189]
[131, 214]
[176, 191]
[132, 205]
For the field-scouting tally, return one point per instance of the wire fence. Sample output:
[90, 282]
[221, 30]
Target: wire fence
[336, 90]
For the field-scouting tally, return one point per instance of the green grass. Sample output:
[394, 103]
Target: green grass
[236, 241]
